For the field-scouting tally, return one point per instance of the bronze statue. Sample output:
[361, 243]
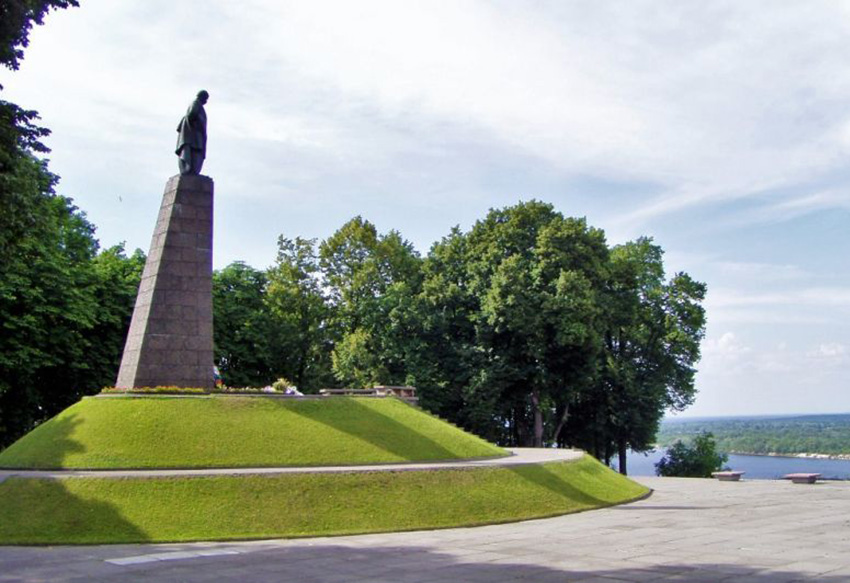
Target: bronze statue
[192, 136]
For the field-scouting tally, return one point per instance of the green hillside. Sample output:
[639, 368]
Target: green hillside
[104, 510]
[231, 431]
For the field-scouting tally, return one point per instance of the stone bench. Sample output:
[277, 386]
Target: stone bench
[802, 478]
[727, 476]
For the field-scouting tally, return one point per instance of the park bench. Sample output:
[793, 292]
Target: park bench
[727, 476]
[802, 478]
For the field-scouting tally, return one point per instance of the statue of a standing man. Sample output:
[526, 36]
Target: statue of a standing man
[192, 136]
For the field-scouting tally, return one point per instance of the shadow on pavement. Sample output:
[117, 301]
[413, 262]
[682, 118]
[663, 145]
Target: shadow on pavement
[329, 563]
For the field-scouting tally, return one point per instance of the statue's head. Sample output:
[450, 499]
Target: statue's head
[203, 96]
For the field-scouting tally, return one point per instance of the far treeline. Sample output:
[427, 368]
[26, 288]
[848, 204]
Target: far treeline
[816, 434]
[529, 329]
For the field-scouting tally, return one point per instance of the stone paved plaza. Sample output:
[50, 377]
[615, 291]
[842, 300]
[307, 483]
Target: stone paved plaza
[696, 531]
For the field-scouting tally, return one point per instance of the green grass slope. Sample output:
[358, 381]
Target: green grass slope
[102, 510]
[229, 431]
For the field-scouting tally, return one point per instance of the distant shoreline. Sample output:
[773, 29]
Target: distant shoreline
[813, 456]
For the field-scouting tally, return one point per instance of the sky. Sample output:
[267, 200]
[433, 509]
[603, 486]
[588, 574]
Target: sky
[720, 129]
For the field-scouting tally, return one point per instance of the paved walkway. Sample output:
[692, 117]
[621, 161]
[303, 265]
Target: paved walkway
[694, 531]
[520, 456]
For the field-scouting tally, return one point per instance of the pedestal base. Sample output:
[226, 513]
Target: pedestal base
[170, 342]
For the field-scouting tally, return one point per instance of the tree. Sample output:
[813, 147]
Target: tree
[117, 278]
[51, 285]
[697, 460]
[296, 302]
[241, 326]
[63, 315]
[518, 299]
[653, 330]
[652, 344]
[372, 280]
[16, 20]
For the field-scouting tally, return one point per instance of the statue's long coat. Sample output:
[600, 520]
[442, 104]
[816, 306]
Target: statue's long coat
[192, 129]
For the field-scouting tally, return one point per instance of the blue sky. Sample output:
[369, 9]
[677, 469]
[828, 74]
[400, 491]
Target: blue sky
[721, 129]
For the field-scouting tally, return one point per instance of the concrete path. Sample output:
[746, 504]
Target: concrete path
[520, 456]
[694, 531]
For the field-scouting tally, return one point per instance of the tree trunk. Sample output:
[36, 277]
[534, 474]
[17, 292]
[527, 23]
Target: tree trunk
[538, 418]
[622, 449]
[561, 424]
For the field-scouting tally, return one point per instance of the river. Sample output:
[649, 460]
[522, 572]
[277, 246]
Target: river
[757, 467]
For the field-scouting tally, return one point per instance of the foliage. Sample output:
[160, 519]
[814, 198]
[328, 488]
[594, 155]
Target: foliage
[92, 510]
[371, 279]
[242, 327]
[232, 431]
[64, 311]
[16, 20]
[527, 330]
[517, 310]
[695, 460]
[63, 307]
[815, 434]
[282, 384]
[298, 313]
[653, 330]
[117, 277]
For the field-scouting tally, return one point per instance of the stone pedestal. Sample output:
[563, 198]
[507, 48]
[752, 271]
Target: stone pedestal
[170, 342]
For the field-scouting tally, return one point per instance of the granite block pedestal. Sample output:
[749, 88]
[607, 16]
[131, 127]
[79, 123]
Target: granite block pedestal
[170, 342]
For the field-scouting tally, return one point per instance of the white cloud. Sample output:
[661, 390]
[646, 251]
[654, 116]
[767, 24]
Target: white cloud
[830, 351]
[838, 297]
[686, 97]
[708, 102]
[728, 345]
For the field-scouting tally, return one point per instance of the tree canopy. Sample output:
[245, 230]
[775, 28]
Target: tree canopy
[528, 329]
[64, 306]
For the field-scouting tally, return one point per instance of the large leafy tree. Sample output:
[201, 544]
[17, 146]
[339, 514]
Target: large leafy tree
[63, 307]
[300, 345]
[516, 319]
[652, 343]
[241, 326]
[64, 312]
[372, 281]
[24, 181]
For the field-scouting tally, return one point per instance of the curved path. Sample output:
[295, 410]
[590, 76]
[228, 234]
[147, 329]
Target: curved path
[688, 531]
[520, 456]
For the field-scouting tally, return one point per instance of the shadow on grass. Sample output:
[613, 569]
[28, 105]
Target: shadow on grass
[44, 511]
[343, 562]
[543, 477]
[44, 448]
[380, 431]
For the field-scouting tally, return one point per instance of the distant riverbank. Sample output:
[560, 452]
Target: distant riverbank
[821, 437]
[815, 456]
[756, 467]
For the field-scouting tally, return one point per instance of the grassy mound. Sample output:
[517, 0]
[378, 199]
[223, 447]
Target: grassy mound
[228, 431]
[102, 510]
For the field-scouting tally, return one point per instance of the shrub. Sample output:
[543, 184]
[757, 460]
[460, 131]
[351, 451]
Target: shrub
[695, 460]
